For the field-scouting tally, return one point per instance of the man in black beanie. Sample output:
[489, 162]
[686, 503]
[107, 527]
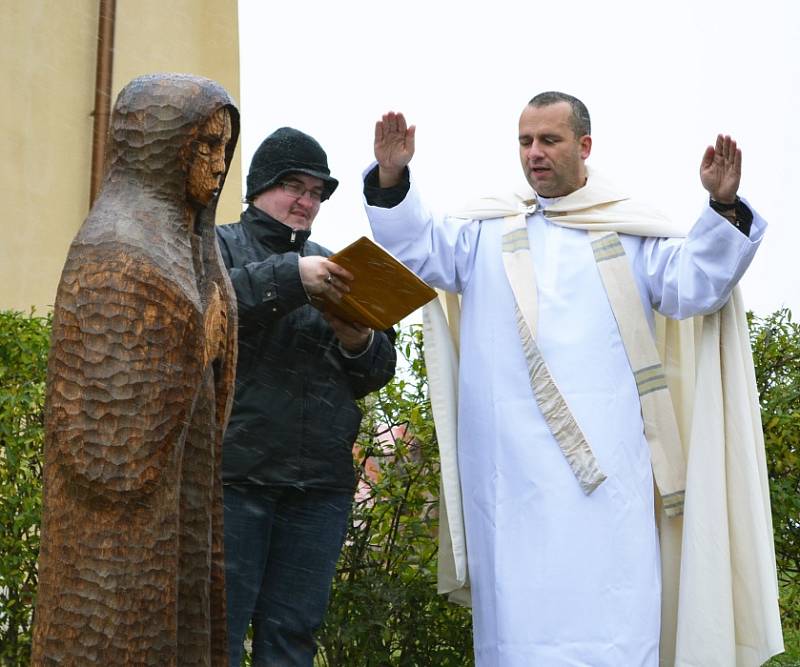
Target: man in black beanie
[287, 460]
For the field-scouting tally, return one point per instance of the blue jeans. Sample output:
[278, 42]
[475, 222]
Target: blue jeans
[281, 548]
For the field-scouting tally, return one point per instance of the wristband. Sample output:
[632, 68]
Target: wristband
[719, 206]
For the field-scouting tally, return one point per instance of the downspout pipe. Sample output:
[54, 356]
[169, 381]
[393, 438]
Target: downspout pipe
[102, 93]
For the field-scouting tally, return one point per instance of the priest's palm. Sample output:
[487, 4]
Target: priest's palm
[394, 146]
[721, 169]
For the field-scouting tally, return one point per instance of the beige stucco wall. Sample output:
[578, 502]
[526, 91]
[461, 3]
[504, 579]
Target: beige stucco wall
[47, 50]
[48, 56]
[191, 36]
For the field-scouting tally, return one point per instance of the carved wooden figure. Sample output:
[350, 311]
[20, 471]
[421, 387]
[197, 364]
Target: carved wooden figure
[139, 390]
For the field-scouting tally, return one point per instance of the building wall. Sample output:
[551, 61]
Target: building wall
[190, 36]
[48, 55]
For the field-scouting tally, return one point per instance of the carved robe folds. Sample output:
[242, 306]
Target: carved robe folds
[140, 382]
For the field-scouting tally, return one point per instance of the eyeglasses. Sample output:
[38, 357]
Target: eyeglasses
[297, 190]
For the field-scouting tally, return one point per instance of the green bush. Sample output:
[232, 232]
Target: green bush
[24, 343]
[776, 353]
[384, 608]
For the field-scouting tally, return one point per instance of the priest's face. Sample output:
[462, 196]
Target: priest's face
[551, 154]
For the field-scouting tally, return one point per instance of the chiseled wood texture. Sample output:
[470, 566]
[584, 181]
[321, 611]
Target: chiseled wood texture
[140, 383]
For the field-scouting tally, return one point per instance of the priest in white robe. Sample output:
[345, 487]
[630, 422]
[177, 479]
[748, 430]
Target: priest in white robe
[560, 530]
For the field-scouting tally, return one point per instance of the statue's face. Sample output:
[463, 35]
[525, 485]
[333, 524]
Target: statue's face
[207, 161]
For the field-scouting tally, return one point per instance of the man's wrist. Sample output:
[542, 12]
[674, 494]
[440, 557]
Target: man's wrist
[350, 354]
[720, 206]
[737, 213]
[389, 178]
[375, 195]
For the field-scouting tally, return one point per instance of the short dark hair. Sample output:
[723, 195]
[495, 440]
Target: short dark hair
[580, 121]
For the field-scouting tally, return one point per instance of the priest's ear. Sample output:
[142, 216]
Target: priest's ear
[586, 145]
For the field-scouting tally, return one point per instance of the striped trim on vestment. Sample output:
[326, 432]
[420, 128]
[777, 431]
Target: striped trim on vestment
[660, 423]
[515, 240]
[555, 411]
[608, 247]
[673, 503]
[650, 378]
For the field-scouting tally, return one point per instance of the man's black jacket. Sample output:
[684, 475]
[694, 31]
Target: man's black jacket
[294, 417]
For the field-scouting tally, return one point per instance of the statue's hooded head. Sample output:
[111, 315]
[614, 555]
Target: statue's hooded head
[173, 135]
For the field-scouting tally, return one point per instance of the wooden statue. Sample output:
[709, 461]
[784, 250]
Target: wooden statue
[139, 388]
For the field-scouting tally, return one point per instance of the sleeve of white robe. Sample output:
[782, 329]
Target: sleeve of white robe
[695, 275]
[440, 250]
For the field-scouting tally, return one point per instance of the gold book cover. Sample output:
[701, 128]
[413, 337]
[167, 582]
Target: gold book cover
[383, 290]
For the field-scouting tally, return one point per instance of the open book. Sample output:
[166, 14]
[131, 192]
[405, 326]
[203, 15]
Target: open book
[383, 290]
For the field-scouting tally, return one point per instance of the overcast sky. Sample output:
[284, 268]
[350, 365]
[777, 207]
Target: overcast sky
[661, 79]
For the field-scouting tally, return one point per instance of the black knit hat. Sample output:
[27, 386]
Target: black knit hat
[288, 151]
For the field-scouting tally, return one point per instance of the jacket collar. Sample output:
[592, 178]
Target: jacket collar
[271, 233]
